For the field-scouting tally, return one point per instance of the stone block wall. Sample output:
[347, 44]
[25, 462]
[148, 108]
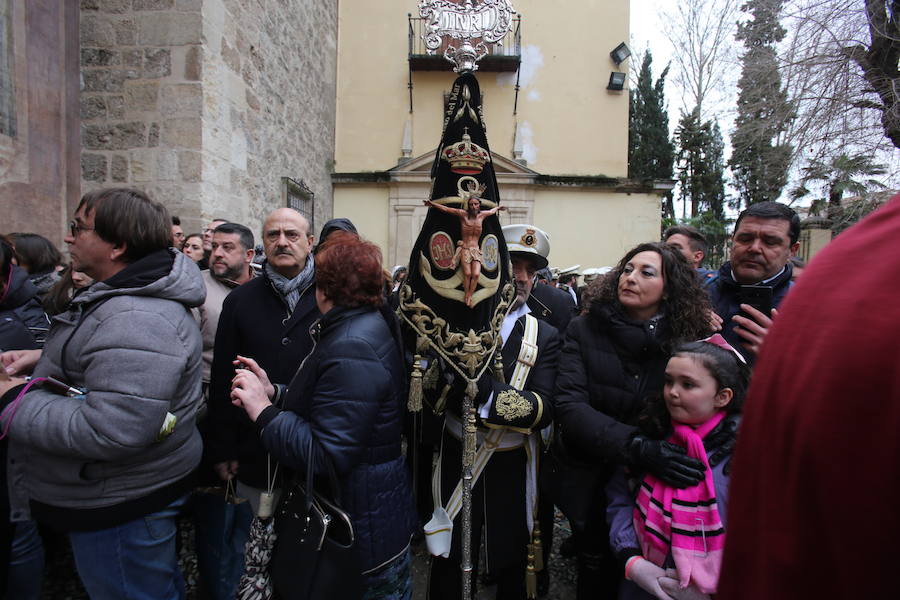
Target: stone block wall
[207, 104]
[269, 81]
[141, 99]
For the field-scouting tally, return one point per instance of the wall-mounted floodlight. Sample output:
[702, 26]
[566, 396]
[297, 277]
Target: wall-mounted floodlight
[620, 53]
[616, 81]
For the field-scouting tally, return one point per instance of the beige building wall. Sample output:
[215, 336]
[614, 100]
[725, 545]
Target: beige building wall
[572, 132]
[569, 123]
[588, 227]
[366, 206]
[594, 228]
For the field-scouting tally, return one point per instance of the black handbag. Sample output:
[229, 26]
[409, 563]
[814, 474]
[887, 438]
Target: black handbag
[314, 556]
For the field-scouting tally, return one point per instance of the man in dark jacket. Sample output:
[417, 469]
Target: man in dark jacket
[693, 246]
[759, 272]
[519, 407]
[112, 466]
[14, 335]
[553, 305]
[267, 318]
[568, 282]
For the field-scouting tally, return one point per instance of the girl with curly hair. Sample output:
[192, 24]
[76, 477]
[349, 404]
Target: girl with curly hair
[614, 358]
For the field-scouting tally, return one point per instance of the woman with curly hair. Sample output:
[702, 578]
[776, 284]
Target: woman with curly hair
[614, 358]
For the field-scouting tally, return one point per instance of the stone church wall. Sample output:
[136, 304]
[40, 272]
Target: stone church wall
[208, 104]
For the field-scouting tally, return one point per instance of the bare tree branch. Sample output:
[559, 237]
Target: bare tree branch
[702, 35]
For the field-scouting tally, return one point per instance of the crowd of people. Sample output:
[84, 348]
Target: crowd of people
[159, 373]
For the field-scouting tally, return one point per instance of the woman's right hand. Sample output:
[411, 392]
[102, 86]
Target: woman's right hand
[251, 365]
[20, 362]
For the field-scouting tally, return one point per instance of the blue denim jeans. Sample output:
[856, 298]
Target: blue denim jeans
[136, 560]
[26, 563]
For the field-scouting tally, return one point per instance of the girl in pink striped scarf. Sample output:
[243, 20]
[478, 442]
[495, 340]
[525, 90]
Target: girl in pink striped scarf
[669, 539]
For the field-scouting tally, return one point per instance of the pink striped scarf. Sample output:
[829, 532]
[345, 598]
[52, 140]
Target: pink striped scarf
[685, 522]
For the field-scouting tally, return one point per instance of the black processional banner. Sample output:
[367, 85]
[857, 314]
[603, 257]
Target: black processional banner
[457, 291]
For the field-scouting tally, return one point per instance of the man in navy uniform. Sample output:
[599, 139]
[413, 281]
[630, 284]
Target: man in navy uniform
[512, 414]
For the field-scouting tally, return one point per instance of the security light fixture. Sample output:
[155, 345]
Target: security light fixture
[620, 53]
[616, 81]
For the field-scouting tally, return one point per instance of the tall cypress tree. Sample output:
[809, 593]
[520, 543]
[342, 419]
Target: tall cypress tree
[701, 165]
[651, 154]
[714, 179]
[759, 161]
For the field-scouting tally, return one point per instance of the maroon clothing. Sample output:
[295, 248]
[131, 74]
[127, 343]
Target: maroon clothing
[815, 485]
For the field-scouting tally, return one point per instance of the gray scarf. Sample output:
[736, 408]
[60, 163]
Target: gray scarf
[290, 289]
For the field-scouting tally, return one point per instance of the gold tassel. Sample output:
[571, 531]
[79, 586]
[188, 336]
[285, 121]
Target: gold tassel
[414, 404]
[430, 379]
[530, 575]
[472, 389]
[538, 548]
[498, 366]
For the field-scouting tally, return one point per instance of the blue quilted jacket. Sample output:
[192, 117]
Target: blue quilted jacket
[349, 396]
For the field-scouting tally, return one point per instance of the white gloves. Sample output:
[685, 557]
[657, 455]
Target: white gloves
[670, 585]
[647, 575]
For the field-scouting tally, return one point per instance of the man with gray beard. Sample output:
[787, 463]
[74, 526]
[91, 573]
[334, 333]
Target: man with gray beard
[267, 318]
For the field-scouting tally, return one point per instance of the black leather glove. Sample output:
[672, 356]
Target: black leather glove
[667, 461]
[720, 441]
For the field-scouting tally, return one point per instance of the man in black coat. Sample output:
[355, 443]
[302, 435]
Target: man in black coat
[520, 407]
[267, 319]
[553, 305]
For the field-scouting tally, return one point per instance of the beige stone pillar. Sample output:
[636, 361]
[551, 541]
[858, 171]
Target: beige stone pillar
[815, 234]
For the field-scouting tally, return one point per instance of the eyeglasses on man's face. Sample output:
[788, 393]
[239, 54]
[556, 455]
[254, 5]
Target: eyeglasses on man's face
[75, 228]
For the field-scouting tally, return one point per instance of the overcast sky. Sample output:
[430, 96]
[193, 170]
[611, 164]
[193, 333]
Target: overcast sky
[646, 27]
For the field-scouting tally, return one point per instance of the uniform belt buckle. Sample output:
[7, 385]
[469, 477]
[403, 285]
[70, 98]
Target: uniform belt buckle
[528, 354]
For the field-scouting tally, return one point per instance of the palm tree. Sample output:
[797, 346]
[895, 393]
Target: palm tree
[842, 174]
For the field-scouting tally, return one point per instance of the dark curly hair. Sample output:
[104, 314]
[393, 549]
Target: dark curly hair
[685, 303]
[349, 271]
[724, 366]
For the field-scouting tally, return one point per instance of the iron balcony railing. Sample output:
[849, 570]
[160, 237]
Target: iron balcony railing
[504, 56]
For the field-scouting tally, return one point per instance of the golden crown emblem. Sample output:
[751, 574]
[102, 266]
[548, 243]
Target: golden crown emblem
[465, 157]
